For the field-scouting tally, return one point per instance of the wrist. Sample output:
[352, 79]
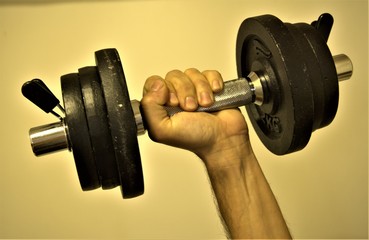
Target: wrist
[233, 152]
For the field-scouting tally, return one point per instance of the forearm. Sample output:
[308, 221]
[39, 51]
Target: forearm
[245, 200]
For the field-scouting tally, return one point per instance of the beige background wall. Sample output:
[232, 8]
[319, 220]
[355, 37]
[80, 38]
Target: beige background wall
[322, 190]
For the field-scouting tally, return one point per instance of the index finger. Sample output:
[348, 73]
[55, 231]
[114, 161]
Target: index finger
[215, 79]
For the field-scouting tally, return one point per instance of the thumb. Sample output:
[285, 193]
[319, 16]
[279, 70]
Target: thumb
[155, 96]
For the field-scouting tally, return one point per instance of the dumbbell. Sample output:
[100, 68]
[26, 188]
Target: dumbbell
[287, 79]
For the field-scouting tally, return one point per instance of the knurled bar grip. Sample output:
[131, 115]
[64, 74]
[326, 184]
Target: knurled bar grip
[235, 93]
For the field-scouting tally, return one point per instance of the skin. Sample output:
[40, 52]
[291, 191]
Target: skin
[245, 200]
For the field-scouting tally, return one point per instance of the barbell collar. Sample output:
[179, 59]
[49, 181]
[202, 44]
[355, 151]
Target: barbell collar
[257, 88]
[138, 117]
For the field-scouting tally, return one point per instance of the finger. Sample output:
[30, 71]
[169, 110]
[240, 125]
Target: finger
[204, 91]
[173, 99]
[156, 85]
[215, 79]
[156, 95]
[184, 89]
[152, 83]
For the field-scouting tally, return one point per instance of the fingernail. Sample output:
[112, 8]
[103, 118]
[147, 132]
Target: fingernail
[205, 98]
[157, 85]
[190, 103]
[173, 98]
[216, 85]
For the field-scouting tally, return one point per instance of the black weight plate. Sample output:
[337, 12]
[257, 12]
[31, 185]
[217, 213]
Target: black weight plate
[313, 68]
[267, 39]
[327, 69]
[121, 121]
[79, 136]
[98, 125]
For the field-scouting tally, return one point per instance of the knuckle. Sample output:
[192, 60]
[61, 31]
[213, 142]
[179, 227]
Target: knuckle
[196, 77]
[190, 71]
[179, 82]
[184, 88]
[212, 74]
[173, 74]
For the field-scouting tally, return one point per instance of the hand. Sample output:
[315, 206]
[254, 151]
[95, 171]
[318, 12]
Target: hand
[205, 134]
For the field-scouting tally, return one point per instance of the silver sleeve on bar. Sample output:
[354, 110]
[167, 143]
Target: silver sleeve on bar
[344, 67]
[49, 138]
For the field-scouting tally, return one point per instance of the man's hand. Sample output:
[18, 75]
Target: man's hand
[204, 134]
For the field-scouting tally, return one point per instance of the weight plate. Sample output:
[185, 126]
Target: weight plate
[79, 137]
[313, 68]
[121, 121]
[264, 45]
[327, 69]
[98, 125]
